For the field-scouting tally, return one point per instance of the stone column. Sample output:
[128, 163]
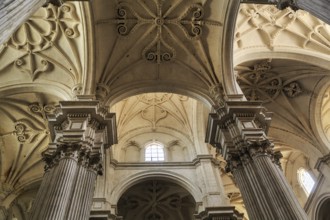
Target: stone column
[239, 131]
[255, 201]
[80, 130]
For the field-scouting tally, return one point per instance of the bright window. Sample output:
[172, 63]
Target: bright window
[306, 180]
[154, 152]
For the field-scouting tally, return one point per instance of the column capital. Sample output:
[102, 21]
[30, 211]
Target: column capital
[238, 125]
[83, 122]
[80, 130]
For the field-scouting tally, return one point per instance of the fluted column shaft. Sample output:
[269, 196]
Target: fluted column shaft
[282, 198]
[83, 194]
[59, 191]
[252, 192]
[41, 195]
[265, 191]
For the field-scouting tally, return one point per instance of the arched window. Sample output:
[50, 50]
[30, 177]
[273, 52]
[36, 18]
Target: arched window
[154, 152]
[306, 180]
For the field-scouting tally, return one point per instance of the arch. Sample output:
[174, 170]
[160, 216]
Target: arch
[259, 53]
[156, 198]
[229, 80]
[316, 114]
[133, 89]
[55, 89]
[125, 184]
[322, 208]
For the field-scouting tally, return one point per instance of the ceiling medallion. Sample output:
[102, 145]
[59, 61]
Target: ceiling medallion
[161, 22]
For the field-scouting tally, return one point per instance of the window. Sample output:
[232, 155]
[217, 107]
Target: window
[306, 180]
[154, 152]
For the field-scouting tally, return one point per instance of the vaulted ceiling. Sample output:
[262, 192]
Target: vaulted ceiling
[117, 49]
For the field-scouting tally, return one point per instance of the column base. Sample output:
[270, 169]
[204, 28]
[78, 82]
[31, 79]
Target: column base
[223, 213]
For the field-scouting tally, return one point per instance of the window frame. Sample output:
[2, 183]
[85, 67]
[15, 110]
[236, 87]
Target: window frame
[157, 150]
[303, 177]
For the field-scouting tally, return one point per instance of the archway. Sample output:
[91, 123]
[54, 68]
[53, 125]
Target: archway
[323, 210]
[156, 199]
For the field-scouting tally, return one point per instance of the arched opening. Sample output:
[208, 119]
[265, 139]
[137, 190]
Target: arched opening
[156, 199]
[323, 210]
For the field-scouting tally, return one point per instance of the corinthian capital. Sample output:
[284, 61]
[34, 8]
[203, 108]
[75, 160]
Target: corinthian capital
[80, 130]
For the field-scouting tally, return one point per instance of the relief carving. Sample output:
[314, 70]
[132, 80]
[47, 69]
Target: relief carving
[262, 83]
[159, 19]
[40, 34]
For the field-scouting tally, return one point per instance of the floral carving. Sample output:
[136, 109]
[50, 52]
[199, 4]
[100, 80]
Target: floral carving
[292, 89]
[39, 34]
[26, 132]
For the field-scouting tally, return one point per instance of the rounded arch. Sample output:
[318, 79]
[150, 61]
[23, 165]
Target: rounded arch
[124, 185]
[295, 54]
[228, 77]
[55, 89]
[140, 88]
[322, 208]
[316, 114]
